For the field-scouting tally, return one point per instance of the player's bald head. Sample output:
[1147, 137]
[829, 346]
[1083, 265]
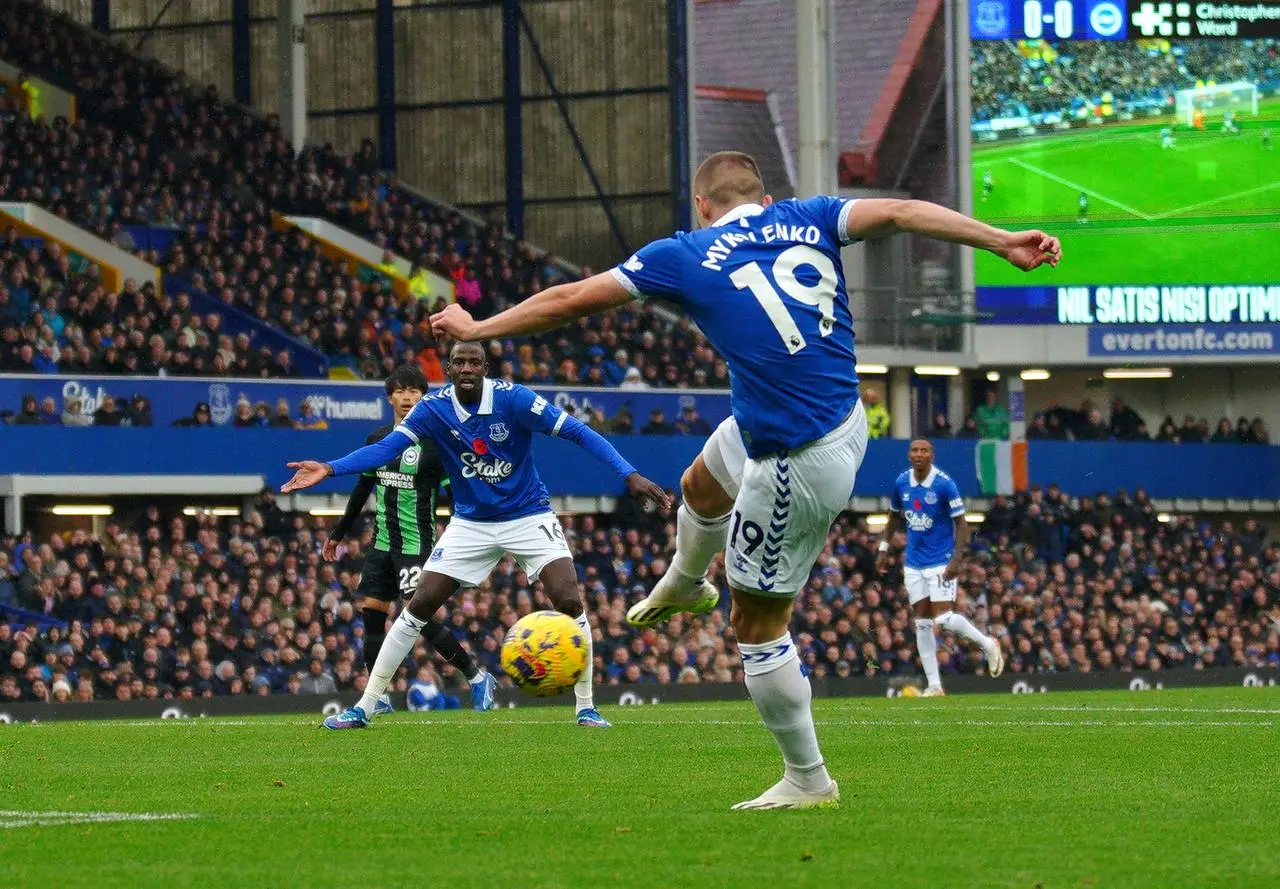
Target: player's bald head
[727, 179]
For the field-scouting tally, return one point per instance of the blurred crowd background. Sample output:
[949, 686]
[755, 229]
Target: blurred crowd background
[177, 606]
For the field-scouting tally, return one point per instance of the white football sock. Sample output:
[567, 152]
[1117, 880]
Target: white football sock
[399, 642]
[582, 689]
[698, 540]
[783, 697]
[928, 645]
[959, 624]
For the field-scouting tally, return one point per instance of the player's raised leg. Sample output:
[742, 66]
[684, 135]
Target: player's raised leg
[942, 597]
[708, 488]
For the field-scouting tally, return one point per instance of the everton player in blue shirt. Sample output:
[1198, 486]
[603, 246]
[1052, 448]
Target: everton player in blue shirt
[764, 283]
[928, 504]
[482, 430]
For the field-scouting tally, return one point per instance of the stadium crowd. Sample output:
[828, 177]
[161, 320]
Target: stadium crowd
[1011, 80]
[991, 421]
[163, 606]
[150, 151]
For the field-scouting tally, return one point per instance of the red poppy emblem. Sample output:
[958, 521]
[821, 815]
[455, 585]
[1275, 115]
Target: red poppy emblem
[915, 504]
[480, 447]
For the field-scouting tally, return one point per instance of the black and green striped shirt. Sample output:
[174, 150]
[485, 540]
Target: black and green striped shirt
[404, 499]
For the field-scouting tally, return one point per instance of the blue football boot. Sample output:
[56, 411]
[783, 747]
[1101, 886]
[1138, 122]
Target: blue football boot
[353, 717]
[482, 691]
[590, 717]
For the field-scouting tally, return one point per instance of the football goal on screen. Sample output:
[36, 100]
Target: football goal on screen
[1239, 98]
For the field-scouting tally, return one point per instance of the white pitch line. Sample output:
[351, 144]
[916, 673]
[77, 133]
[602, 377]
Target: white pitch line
[14, 818]
[943, 720]
[1078, 187]
[1226, 197]
[1063, 708]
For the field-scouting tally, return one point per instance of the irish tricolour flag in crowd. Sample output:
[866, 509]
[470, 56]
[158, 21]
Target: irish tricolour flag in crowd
[1002, 466]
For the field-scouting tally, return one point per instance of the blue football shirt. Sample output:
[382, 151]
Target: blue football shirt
[929, 509]
[487, 449]
[766, 287]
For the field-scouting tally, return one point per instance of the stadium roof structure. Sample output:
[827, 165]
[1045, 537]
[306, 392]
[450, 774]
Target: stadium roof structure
[730, 118]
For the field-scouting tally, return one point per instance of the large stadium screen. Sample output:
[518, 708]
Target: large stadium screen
[1146, 134]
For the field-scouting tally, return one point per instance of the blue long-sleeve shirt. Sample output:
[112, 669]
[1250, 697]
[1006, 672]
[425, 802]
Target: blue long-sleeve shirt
[487, 448]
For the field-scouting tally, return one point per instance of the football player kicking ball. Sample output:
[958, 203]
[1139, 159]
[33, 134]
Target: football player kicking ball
[764, 283]
[927, 501]
[482, 430]
[404, 532]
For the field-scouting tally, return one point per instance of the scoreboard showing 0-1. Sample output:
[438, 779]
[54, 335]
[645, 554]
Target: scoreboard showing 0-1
[1146, 134]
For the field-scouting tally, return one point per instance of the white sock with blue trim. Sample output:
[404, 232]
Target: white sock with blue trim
[583, 689]
[928, 645]
[954, 622]
[698, 539]
[783, 697]
[395, 648]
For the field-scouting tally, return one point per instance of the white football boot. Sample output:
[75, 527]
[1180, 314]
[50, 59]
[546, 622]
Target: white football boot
[933, 691]
[786, 795]
[995, 661]
[673, 595]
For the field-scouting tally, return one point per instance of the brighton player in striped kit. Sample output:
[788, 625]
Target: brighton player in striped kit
[928, 504]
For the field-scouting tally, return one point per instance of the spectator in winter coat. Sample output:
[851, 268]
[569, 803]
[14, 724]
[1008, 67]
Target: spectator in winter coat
[877, 414]
[992, 418]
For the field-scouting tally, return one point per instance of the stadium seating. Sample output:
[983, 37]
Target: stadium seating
[1008, 82]
[162, 606]
[149, 152]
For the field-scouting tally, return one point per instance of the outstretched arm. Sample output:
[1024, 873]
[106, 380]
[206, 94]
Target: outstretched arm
[380, 453]
[546, 310]
[881, 217]
[594, 444]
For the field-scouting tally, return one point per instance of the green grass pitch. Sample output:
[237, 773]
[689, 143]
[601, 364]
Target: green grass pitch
[1205, 212]
[1160, 789]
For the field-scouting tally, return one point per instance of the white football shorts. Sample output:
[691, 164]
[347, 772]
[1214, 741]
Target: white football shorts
[928, 583]
[725, 455]
[468, 551]
[785, 504]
